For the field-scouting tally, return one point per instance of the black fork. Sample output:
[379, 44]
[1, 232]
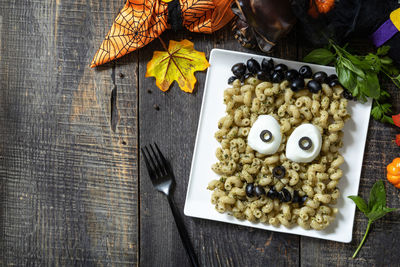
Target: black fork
[162, 177]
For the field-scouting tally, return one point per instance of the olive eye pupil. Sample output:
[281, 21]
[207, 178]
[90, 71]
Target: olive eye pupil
[305, 143]
[266, 136]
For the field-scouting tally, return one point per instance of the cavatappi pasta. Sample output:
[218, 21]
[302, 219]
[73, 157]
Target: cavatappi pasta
[238, 164]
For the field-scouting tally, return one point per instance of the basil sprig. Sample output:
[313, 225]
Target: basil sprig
[359, 74]
[374, 210]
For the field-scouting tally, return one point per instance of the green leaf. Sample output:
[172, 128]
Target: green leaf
[375, 215]
[370, 85]
[377, 196]
[383, 50]
[349, 65]
[346, 77]
[320, 56]
[361, 204]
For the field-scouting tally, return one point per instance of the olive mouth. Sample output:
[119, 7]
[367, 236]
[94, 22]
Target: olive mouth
[279, 172]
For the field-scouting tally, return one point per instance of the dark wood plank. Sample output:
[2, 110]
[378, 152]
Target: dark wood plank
[174, 128]
[381, 244]
[68, 189]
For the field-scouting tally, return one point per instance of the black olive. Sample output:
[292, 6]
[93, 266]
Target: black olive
[302, 200]
[346, 94]
[331, 78]
[272, 193]
[248, 75]
[263, 76]
[314, 86]
[250, 190]
[259, 190]
[281, 67]
[277, 76]
[267, 65]
[320, 76]
[265, 136]
[296, 197]
[284, 195]
[279, 172]
[239, 69]
[305, 143]
[232, 79]
[290, 75]
[333, 83]
[253, 66]
[305, 71]
[297, 84]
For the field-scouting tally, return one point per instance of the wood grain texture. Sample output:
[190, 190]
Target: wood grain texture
[73, 189]
[68, 190]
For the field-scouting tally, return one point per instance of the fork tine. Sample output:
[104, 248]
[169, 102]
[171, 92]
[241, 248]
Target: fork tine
[161, 166]
[165, 162]
[151, 167]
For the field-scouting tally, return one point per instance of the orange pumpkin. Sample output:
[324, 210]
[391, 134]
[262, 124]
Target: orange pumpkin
[320, 7]
[393, 172]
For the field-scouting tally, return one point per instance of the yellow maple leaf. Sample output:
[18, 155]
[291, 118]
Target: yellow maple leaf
[177, 64]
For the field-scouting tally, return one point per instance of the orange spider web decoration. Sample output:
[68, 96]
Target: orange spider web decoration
[141, 21]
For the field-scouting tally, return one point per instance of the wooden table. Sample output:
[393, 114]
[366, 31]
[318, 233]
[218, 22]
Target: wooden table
[73, 188]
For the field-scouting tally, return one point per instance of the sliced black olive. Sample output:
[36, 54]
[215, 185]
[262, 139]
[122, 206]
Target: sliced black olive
[266, 136]
[305, 143]
[346, 94]
[296, 197]
[267, 65]
[248, 75]
[320, 76]
[302, 200]
[279, 172]
[259, 190]
[290, 75]
[281, 67]
[333, 83]
[272, 193]
[331, 78]
[232, 79]
[250, 190]
[314, 86]
[253, 66]
[284, 195]
[239, 69]
[263, 75]
[297, 84]
[305, 71]
[277, 76]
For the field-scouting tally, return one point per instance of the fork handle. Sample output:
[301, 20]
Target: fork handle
[183, 233]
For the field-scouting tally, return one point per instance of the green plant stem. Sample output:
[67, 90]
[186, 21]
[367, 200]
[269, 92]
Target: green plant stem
[363, 240]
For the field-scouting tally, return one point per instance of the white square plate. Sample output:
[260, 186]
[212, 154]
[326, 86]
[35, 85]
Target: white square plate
[198, 198]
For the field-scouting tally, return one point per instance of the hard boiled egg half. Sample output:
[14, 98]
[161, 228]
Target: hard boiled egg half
[265, 135]
[304, 144]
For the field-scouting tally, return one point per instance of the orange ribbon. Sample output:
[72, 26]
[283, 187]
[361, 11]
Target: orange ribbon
[141, 21]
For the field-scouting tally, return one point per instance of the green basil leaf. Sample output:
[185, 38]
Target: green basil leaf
[369, 85]
[348, 64]
[346, 77]
[320, 56]
[361, 204]
[375, 215]
[377, 196]
[383, 50]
